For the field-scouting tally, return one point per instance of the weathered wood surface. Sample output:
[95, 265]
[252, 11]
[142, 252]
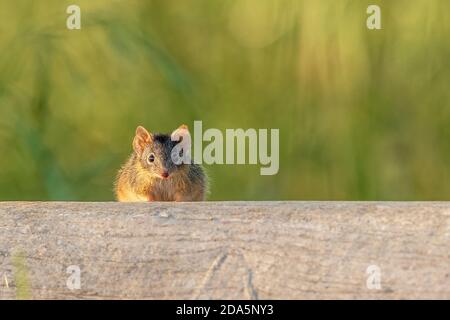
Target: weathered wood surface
[230, 250]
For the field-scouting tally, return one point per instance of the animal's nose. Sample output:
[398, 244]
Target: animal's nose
[165, 174]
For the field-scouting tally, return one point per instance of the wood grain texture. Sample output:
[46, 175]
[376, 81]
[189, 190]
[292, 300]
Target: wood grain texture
[225, 250]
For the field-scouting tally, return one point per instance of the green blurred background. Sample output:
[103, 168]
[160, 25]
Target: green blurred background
[363, 115]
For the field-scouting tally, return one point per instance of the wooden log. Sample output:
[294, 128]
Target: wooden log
[225, 250]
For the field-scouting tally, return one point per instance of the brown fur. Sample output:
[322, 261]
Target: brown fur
[139, 180]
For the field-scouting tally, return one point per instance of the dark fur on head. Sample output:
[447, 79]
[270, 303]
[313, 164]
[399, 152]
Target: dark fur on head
[160, 151]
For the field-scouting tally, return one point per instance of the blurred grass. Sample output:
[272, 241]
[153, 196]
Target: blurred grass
[363, 115]
[21, 272]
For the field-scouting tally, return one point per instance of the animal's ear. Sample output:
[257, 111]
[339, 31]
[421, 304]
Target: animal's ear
[180, 133]
[141, 139]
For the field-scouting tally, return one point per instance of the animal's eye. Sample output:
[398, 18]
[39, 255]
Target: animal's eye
[151, 158]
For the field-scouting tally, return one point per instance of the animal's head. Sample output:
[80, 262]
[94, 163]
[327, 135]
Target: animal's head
[155, 151]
